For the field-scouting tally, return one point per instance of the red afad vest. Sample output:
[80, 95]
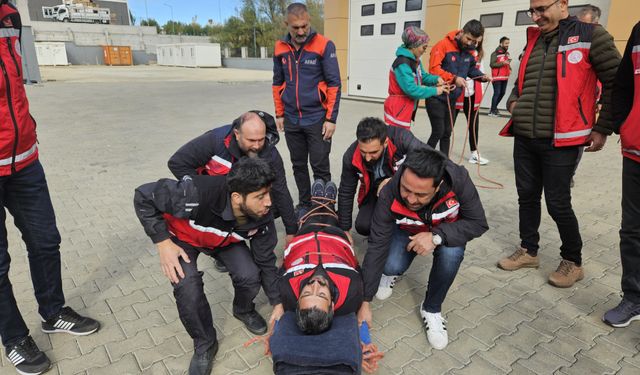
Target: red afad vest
[630, 129]
[309, 250]
[575, 104]
[446, 209]
[502, 73]
[365, 181]
[399, 107]
[199, 236]
[217, 166]
[18, 146]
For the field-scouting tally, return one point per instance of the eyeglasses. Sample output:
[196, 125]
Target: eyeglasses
[540, 10]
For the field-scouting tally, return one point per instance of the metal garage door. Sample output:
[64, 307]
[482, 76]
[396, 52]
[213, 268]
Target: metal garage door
[374, 34]
[510, 19]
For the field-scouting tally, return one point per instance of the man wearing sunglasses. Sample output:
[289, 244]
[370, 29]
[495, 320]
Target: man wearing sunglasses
[553, 116]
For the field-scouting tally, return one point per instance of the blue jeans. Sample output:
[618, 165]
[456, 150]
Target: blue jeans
[446, 262]
[26, 196]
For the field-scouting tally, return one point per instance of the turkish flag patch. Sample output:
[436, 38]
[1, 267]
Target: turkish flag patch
[451, 202]
[573, 39]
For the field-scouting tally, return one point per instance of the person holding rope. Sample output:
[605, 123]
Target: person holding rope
[452, 59]
[469, 102]
[430, 206]
[553, 112]
[408, 81]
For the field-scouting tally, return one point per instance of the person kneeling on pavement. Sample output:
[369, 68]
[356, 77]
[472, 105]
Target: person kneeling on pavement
[429, 207]
[215, 216]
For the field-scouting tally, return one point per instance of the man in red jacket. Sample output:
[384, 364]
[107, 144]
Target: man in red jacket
[24, 193]
[626, 102]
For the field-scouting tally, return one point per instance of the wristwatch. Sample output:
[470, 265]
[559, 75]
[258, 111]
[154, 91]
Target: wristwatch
[437, 240]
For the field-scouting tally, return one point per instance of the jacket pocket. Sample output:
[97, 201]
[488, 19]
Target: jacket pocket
[584, 118]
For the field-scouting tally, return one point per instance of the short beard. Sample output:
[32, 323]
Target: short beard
[249, 213]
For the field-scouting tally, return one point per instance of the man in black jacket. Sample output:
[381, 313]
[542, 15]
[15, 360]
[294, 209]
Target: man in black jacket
[253, 134]
[371, 160]
[214, 215]
[429, 206]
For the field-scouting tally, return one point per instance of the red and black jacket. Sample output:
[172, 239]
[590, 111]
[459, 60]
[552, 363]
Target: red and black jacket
[455, 213]
[18, 141]
[575, 112]
[306, 83]
[214, 152]
[337, 257]
[197, 210]
[626, 97]
[502, 72]
[354, 171]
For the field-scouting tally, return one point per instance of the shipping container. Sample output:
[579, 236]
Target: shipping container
[117, 55]
[203, 55]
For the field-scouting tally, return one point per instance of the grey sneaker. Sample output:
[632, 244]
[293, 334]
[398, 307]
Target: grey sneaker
[317, 188]
[623, 314]
[330, 190]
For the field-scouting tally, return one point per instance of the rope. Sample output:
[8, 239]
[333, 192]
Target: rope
[320, 204]
[494, 184]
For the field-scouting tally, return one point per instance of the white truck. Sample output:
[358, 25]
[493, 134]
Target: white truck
[77, 12]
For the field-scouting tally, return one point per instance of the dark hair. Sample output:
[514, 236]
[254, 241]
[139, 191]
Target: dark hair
[249, 175]
[473, 27]
[313, 321]
[297, 9]
[426, 163]
[502, 40]
[370, 128]
[591, 9]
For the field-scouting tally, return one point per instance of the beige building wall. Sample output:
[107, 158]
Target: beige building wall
[336, 28]
[623, 15]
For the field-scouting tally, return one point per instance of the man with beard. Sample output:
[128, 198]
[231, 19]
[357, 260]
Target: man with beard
[500, 71]
[253, 134]
[430, 206]
[371, 160]
[553, 110]
[214, 215]
[452, 60]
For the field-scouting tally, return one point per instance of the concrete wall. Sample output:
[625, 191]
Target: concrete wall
[249, 63]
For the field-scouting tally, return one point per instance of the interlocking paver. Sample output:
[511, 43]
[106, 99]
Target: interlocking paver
[123, 134]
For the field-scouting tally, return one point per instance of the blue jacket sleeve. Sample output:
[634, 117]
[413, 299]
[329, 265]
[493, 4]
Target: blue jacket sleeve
[331, 71]
[404, 76]
[428, 79]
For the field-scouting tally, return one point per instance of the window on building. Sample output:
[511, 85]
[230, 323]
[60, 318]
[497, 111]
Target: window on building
[366, 30]
[413, 5]
[388, 29]
[491, 20]
[522, 18]
[368, 10]
[389, 7]
[412, 23]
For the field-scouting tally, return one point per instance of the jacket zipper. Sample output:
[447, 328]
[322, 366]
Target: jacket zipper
[584, 118]
[535, 102]
[13, 116]
[297, 81]
[564, 64]
[13, 56]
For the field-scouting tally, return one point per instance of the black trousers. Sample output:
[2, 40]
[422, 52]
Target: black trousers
[365, 214]
[470, 112]
[193, 307]
[541, 166]
[499, 89]
[630, 231]
[441, 126]
[306, 146]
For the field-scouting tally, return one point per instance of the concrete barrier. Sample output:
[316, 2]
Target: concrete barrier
[248, 63]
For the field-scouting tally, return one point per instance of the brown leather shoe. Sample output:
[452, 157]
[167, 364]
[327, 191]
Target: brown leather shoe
[519, 259]
[567, 274]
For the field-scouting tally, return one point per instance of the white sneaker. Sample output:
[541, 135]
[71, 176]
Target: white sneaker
[436, 328]
[475, 159]
[385, 289]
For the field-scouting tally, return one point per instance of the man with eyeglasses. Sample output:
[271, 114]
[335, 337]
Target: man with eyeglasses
[430, 206]
[553, 111]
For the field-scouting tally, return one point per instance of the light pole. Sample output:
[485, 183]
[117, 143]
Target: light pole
[146, 11]
[173, 23]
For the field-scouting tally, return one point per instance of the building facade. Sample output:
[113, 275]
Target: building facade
[367, 32]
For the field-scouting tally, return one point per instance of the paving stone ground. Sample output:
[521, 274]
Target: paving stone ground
[101, 138]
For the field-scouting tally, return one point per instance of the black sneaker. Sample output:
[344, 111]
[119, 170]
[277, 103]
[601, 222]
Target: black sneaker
[27, 358]
[202, 364]
[317, 188]
[301, 210]
[69, 321]
[254, 322]
[623, 314]
[219, 266]
[330, 190]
